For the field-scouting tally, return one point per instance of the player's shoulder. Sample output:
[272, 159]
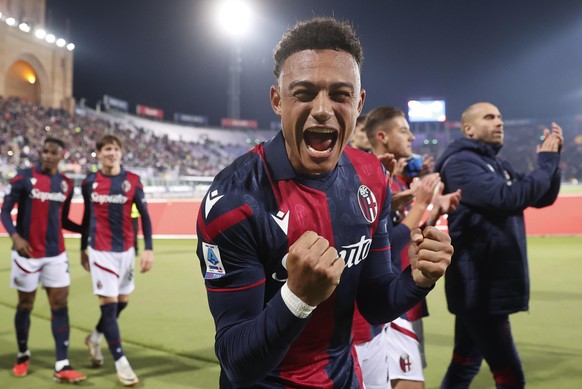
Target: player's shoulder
[89, 178]
[362, 160]
[131, 175]
[21, 174]
[244, 170]
[237, 185]
[370, 171]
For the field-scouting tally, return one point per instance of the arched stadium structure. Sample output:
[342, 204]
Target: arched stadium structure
[35, 64]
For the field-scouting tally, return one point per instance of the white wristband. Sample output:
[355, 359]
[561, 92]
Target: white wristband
[294, 303]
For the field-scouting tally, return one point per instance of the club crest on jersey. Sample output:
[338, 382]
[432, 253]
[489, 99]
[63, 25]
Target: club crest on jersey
[405, 363]
[64, 186]
[33, 181]
[126, 186]
[368, 203]
[214, 266]
[95, 185]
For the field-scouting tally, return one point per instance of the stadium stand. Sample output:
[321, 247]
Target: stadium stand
[171, 157]
[178, 160]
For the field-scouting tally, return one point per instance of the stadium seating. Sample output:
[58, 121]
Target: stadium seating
[176, 159]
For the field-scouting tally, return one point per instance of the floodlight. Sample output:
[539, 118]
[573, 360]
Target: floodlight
[10, 21]
[234, 17]
[50, 38]
[61, 42]
[71, 46]
[40, 33]
[24, 27]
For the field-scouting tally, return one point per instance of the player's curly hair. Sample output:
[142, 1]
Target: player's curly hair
[56, 141]
[320, 33]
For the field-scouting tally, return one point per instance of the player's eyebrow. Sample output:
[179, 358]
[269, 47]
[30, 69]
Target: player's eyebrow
[309, 84]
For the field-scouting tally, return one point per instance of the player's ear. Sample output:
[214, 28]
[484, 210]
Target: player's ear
[361, 101]
[276, 99]
[382, 137]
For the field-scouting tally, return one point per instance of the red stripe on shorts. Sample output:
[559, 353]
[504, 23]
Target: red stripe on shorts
[106, 269]
[24, 270]
[404, 331]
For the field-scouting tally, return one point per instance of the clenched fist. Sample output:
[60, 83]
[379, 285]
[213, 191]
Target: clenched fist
[430, 254]
[313, 268]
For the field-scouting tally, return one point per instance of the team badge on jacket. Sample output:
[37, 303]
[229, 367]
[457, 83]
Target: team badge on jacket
[368, 203]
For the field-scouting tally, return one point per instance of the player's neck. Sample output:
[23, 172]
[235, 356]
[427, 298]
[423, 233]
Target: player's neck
[111, 170]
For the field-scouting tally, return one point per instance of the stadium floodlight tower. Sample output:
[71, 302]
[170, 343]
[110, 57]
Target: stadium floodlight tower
[234, 17]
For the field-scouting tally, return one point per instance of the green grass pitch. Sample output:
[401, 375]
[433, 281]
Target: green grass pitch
[168, 331]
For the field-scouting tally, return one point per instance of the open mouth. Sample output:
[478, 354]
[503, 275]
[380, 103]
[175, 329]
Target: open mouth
[321, 141]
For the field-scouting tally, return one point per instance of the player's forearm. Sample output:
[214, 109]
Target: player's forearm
[146, 226]
[552, 194]
[251, 349]
[415, 215]
[70, 225]
[399, 239]
[6, 218]
[393, 296]
[433, 216]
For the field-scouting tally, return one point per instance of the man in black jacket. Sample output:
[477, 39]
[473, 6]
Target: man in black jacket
[488, 278]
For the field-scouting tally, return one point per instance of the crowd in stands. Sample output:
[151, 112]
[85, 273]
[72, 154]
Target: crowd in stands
[169, 151]
[23, 126]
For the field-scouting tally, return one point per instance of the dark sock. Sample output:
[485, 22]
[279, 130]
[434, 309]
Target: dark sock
[120, 307]
[110, 328]
[22, 325]
[99, 326]
[60, 327]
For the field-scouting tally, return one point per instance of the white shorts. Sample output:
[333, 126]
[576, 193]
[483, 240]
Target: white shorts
[405, 345]
[374, 363]
[112, 273]
[27, 273]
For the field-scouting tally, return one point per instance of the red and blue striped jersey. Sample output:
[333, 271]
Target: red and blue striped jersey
[108, 201]
[43, 210]
[253, 212]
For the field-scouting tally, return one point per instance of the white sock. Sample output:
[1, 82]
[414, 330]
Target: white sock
[123, 360]
[96, 336]
[24, 354]
[60, 364]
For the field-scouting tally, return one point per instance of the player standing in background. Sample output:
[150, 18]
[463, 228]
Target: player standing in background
[489, 277]
[108, 231]
[389, 132]
[43, 195]
[294, 231]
